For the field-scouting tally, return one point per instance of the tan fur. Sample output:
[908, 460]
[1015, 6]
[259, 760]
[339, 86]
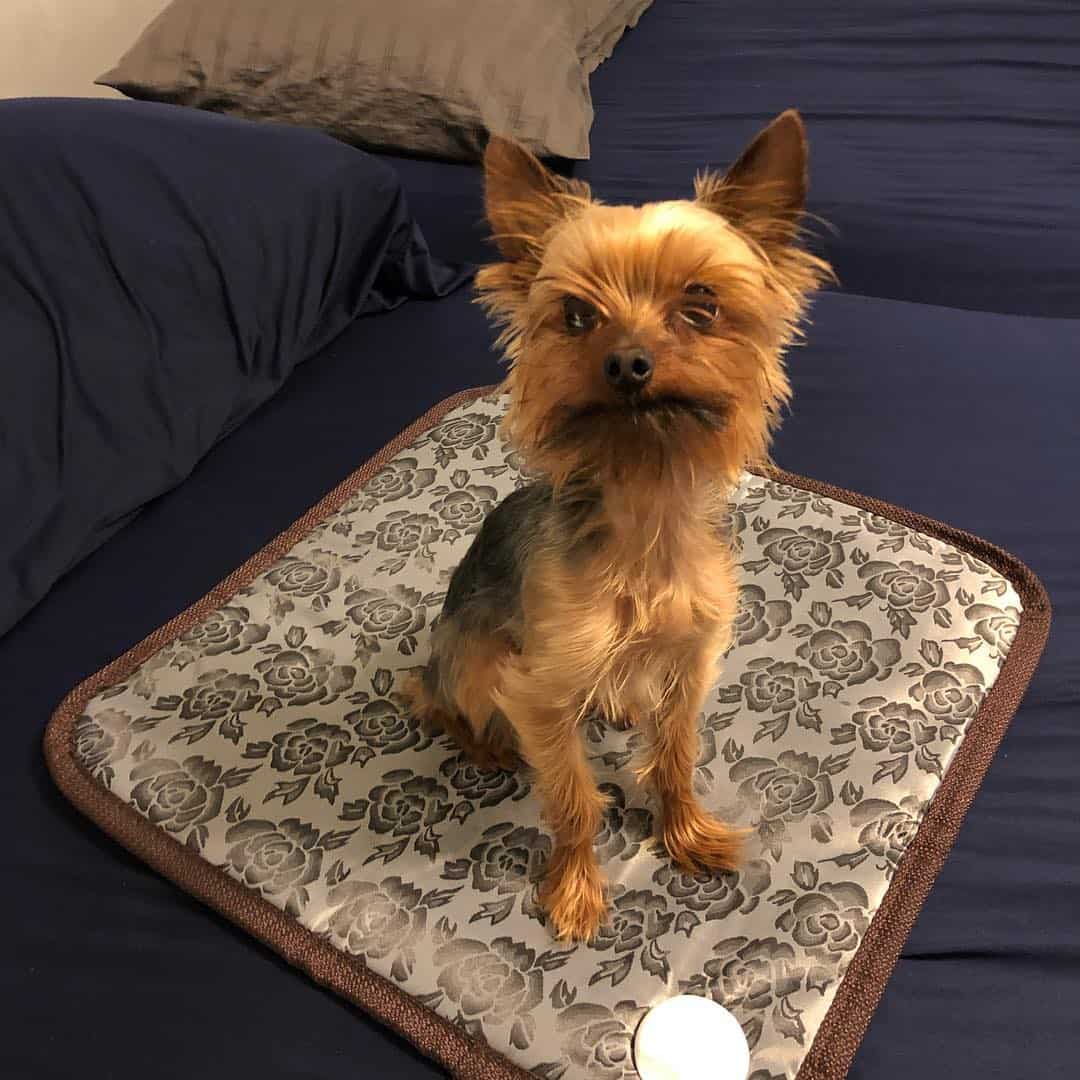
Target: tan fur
[629, 614]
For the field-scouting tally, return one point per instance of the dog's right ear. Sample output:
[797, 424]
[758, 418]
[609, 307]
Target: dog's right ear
[524, 200]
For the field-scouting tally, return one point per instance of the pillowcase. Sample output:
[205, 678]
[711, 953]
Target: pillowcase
[430, 77]
[162, 271]
[603, 23]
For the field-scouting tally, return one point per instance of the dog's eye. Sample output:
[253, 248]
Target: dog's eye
[580, 316]
[699, 309]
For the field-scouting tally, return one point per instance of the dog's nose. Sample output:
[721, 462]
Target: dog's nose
[628, 369]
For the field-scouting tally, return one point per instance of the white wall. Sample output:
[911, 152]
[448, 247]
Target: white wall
[58, 47]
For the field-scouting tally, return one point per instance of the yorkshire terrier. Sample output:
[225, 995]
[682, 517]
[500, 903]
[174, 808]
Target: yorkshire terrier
[645, 347]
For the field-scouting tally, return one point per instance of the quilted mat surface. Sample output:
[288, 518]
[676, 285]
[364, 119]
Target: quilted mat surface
[257, 751]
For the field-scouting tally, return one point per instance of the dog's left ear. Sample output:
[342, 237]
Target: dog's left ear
[764, 192]
[523, 199]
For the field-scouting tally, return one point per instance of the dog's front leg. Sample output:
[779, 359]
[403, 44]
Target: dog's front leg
[572, 891]
[694, 839]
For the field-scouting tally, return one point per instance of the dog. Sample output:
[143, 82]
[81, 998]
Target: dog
[645, 348]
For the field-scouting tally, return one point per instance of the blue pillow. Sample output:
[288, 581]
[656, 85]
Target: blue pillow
[162, 271]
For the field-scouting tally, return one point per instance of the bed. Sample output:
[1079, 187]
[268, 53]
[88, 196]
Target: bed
[941, 376]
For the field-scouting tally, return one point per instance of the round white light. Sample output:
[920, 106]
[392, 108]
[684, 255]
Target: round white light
[690, 1038]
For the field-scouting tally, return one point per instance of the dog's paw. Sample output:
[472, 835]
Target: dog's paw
[572, 895]
[697, 842]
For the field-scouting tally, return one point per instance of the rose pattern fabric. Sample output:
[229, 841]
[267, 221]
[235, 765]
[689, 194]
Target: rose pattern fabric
[300, 579]
[995, 626]
[758, 617]
[845, 654]
[624, 828]
[273, 739]
[506, 862]
[383, 921]
[595, 1040]
[279, 860]
[713, 896]
[382, 724]
[305, 675]
[103, 738]
[228, 630]
[952, 694]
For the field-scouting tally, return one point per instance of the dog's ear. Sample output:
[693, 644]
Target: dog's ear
[764, 192]
[523, 199]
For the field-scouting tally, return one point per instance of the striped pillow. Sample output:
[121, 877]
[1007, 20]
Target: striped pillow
[431, 77]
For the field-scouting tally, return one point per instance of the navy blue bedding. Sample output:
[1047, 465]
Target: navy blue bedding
[162, 271]
[946, 151]
[944, 138]
[989, 982]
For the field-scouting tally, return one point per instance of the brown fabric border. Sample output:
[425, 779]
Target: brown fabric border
[860, 990]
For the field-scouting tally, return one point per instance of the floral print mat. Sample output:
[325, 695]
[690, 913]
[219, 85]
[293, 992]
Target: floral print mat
[268, 737]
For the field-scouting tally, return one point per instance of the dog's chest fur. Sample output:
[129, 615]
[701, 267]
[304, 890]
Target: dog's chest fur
[667, 588]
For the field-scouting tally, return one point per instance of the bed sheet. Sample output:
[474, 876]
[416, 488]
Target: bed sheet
[944, 138]
[959, 415]
[946, 154]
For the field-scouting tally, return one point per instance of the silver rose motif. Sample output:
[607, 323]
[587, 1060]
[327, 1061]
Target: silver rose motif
[714, 896]
[750, 976]
[498, 982]
[785, 791]
[404, 808]
[847, 653]
[906, 590]
[307, 748]
[952, 694]
[227, 630]
[465, 508]
[178, 795]
[378, 922]
[596, 1041]
[277, 860]
[829, 921]
[404, 532]
[885, 830]
[103, 738]
[781, 688]
[636, 921]
[217, 698]
[508, 860]
[485, 787]
[398, 479]
[623, 829]
[892, 726]
[394, 614]
[777, 685]
[799, 498]
[182, 796]
[305, 675]
[758, 618]
[473, 431]
[302, 579]
[896, 535]
[218, 693]
[802, 553]
[995, 626]
[384, 727]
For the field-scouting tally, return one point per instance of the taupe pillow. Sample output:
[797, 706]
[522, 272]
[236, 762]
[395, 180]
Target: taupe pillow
[604, 22]
[427, 76]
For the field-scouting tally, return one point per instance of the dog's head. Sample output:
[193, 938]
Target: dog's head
[645, 335]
